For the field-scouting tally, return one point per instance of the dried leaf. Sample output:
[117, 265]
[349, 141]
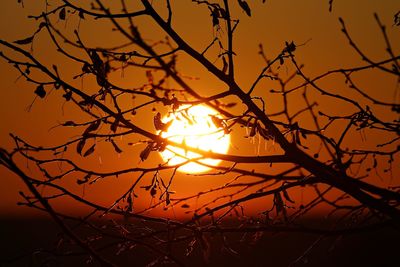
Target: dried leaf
[25, 41]
[396, 18]
[214, 15]
[149, 76]
[146, 152]
[245, 7]
[81, 15]
[157, 121]
[290, 47]
[116, 148]
[219, 123]
[153, 191]
[69, 123]
[89, 151]
[281, 60]
[80, 146]
[222, 12]
[84, 180]
[92, 127]
[146, 187]
[286, 195]
[41, 25]
[79, 181]
[159, 125]
[230, 105]
[375, 163]
[40, 91]
[68, 96]
[62, 14]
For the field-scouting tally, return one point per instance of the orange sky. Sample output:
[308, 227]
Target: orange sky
[271, 24]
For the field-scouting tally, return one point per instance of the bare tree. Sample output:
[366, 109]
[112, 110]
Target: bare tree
[310, 144]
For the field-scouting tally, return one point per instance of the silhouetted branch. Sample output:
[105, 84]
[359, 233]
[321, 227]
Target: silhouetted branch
[277, 155]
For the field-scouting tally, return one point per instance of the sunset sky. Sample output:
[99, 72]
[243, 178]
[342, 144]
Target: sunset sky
[322, 47]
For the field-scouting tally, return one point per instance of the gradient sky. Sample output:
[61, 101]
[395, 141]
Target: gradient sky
[271, 24]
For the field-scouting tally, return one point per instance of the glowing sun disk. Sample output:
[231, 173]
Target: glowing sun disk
[193, 127]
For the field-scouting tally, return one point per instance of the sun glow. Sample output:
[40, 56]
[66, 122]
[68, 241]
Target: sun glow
[194, 127]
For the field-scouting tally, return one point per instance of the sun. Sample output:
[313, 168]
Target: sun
[197, 127]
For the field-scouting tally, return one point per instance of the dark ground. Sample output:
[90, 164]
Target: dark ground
[22, 240]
